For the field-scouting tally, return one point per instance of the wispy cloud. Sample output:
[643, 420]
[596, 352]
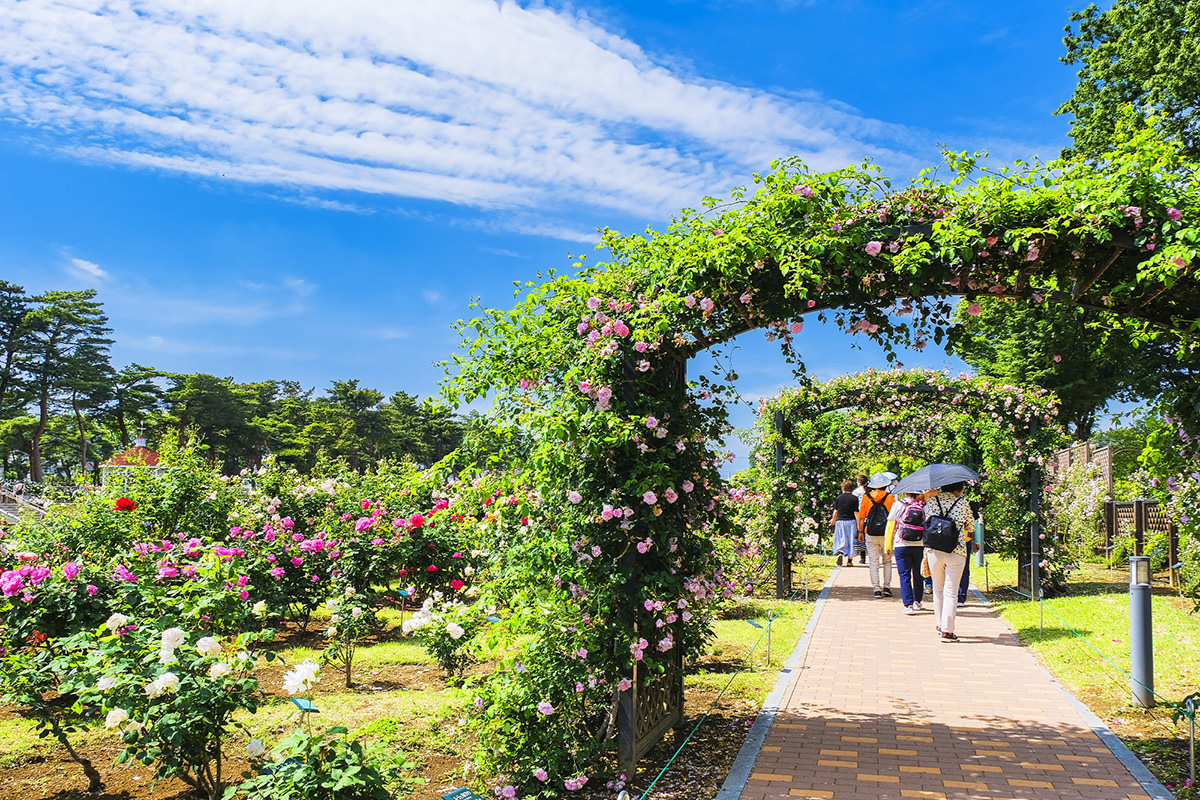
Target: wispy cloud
[474, 102]
[86, 269]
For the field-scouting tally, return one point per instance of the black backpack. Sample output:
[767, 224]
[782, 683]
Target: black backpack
[877, 518]
[912, 524]
[941, 532]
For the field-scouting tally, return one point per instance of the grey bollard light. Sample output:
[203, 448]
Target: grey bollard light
[980, 554]
[1141, 638]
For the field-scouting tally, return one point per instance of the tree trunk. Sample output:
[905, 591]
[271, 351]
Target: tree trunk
[95, 784]
[35, 445]
[82, 434]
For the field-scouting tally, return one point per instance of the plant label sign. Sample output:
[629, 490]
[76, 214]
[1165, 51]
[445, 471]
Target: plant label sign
[461, 794]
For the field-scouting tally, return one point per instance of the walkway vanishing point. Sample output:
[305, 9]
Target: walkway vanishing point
[873, 705]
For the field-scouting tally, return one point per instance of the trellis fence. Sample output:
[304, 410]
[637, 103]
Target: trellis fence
[1141, 519]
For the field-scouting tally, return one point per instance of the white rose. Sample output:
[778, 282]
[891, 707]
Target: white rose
[331, 631]
[172, 638]
[218, 670]
[356, 612]
[116, 621]
[301, 678]
[167, 682]
[116, 718]
[350, 591]
[256, 749]
[208, 646]
[455, 630]
[331, 604]
[106, 683]
[260, 608]
[166, 656]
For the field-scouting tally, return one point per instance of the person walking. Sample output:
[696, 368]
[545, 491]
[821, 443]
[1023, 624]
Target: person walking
[860, 547]
[873, 513]
[845, 524]
[946, 567]
[906, 523]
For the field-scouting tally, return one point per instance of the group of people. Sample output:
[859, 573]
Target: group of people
[872, 523]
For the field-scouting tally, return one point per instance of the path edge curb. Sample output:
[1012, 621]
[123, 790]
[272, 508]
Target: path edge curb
[1137, 769]
[743, 763]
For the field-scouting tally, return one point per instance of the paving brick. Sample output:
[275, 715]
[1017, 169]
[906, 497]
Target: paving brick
[861, 719]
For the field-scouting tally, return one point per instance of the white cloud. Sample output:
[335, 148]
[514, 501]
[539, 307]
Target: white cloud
[474, 102]
[87, 269]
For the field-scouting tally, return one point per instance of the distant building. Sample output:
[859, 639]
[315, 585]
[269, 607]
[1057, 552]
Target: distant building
[127, 462]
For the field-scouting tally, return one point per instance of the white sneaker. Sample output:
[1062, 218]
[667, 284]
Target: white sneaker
[917, 605]
[962, 605]
[909, 610]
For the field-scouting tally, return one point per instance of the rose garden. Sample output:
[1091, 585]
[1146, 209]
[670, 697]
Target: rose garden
[588, 547]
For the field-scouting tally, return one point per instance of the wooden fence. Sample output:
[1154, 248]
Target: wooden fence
[1140, 519]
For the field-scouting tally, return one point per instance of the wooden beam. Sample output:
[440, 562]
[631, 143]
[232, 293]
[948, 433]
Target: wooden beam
[1079, 289]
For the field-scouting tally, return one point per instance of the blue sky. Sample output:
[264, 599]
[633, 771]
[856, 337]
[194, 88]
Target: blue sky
[315, 190]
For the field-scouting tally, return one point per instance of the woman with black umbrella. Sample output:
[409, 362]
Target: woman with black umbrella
[946, 509]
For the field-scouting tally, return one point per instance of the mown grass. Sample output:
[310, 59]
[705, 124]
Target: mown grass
[1082, 636]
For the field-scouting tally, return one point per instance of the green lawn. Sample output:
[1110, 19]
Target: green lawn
[1083, 638]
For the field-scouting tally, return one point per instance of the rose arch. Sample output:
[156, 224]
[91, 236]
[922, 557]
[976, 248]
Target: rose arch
[622, 451]
[809, 438]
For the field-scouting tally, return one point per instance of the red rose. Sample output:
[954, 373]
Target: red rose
[456, 584]
[124, 504]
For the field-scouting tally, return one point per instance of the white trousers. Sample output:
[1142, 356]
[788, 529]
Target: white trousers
[946, 570]
[875, 559]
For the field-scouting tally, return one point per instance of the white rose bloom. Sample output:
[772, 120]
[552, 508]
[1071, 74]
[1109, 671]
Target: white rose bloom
[208, 646]
[172, 638]
[166, 656]
[455, 630]
[350, 591]
[219, 670]
[331, 603]
[106, 683]
[260, 608]
[116, 621]
[256, 749]
[301, 678]
[116, 718]
[331, 631]
[134, 725]
[356, 612]
[167, 682]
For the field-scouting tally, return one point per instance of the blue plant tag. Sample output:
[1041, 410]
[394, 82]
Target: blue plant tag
[305, 705]
[461, 794]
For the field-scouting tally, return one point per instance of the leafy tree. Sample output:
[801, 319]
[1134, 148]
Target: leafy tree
[68, 359]
[1143, 54]
[221, 414]
[14, 340]
[1060, 348]
[135, 395]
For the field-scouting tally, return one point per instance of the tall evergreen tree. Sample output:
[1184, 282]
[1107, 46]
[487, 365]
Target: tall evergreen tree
[68, 360]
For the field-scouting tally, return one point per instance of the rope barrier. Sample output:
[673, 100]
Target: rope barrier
[1183, 711]
[745, 663]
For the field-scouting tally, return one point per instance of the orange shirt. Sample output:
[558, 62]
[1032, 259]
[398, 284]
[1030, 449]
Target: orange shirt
[873, 496]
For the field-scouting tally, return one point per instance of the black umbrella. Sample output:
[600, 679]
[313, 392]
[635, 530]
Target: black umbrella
[932, 476]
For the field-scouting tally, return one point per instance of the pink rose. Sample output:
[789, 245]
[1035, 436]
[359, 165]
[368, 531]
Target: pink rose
[873, 248]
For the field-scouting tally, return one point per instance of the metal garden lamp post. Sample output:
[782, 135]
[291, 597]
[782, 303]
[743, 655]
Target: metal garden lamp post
[1141, 644]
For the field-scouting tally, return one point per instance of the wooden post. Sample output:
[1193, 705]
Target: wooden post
[1173, 552]
[783, 556]
[1139, 525]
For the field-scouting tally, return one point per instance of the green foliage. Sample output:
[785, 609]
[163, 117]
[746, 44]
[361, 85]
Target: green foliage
[1138, 54]
[447, 630]
[327, 766]
[1064, 350]
[1076, 497]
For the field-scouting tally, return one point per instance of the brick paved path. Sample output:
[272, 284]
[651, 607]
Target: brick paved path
[878, 707]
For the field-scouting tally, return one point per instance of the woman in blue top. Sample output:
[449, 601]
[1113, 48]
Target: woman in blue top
[845, 524]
